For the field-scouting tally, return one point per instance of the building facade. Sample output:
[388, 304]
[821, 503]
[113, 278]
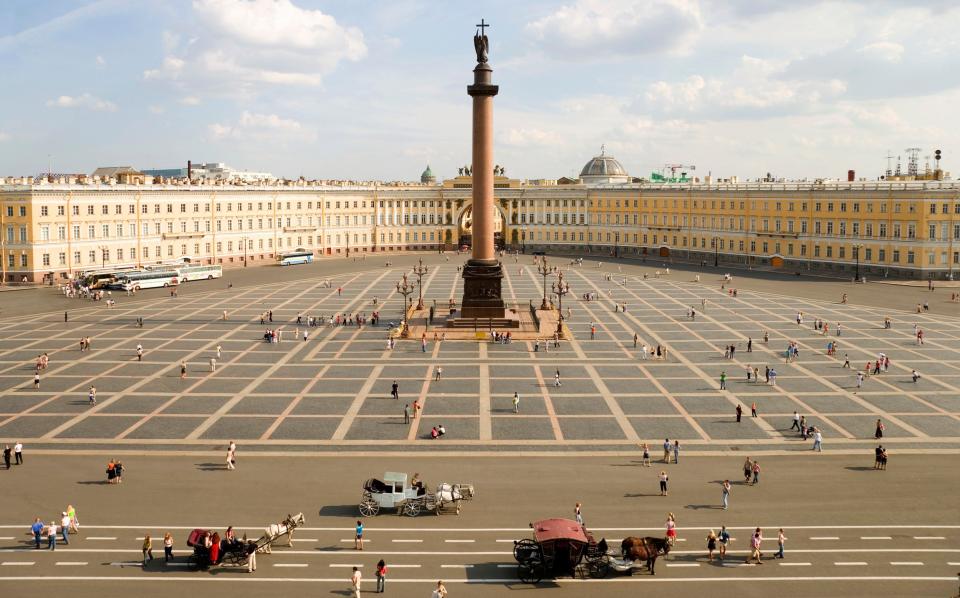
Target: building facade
[54, 230]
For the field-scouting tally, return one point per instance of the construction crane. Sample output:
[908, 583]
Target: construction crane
[673, 168]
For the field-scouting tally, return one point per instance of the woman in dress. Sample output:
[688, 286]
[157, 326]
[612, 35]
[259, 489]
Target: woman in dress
[671, 526]
[711, 544]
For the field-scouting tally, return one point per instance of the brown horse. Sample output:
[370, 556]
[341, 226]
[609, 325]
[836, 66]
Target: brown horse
[644, 549]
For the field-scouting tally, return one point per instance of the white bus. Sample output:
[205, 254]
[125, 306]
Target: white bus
[134, 281]
[296, 257]
[102, 278]
[200, 272]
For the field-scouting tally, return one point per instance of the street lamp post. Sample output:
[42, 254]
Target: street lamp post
[544, 271]
[716, 252]
[560, 289]
[348, 243]
[405, 288]
[616, 244]
[419, 271]
[523, 237]
[244, 241]
[103, 256]
[856, 255]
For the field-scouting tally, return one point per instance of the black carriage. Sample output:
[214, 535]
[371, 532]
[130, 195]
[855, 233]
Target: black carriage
[236, 553]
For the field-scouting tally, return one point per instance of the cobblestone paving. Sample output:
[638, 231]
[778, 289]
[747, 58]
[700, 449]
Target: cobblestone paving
[334, 389]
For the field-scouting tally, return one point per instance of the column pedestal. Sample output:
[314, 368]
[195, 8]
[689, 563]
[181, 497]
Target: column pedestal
[481, 290]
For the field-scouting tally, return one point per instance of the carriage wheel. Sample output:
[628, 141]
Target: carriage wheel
[412, 508]
[599, 568]
[531, 571]
[525, 549]
[369, 508]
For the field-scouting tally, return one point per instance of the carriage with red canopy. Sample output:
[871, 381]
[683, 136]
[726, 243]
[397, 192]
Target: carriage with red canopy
[556, 549]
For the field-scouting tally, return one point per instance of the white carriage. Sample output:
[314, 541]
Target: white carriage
[395, 492]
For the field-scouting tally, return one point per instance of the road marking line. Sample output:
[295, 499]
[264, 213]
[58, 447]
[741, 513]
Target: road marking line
[824, 538]
[953, 564]
[506, 566]
[407, 541]
[929, 538]
[299, 539]
[346, 565]
[907, 563]
[456, 566]
[405, 566]
[127, 564]
[290, 565]
[506, 529]
[17, 563]
[485, 580]
[70, 563]
[851, 564]
[459, 541]
[103, 538]
[876, 538]
[365, 541]
[794, 564]
[683, 564]
[6, 537]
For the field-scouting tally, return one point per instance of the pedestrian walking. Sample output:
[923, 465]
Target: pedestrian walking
[66, 317]
[756, 473]
[664, 478]
[355, 582]
[381, 576]
[676, 452]
[516, 402]
[213, 364]
[739, 412]
[671, 526]
[7, 455]
[440, 591]
[438, 373]
[64, 527]
[859, 380]
[36, 381]
[755, 543]
[578, 515]
[724, 538]
[646, 455]
[781, 538]
[723, 380]
[666, 450]
[406, 413]
[52, 535]
[725, 494]
[556, 379]
[92, 395]
[74, 524]
[232, 455]
[796, 421]
[147, 550]
[358, 540]
[167, 547]
[183, 370]
[37, 529]
[395, 391]
[817, 440]
[18, 452]
[139, 352]
[753, 409]
[747, 470]
[711, 544]
[219, 351]
[878, 434]
[636, 337]
[915, 375]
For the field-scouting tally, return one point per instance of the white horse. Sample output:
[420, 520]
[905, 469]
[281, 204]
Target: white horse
[273, 533]
[448, 494]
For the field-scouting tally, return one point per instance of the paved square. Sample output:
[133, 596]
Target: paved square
[334, 389]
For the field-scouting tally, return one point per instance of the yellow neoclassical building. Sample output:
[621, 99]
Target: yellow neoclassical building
[54, 228]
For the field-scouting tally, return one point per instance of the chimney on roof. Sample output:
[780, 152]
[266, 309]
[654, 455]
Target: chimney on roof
[851, 176]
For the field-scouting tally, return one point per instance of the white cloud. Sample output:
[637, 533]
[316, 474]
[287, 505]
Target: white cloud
[248, 42]
[262, 127]
[888, 51]
[190, 101]
[155, 109]
[529, 137]
[101, 61]
[595, 29]
[4, 136]
[85, 100]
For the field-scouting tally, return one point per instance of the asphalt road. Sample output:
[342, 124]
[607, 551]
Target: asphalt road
[852, 531]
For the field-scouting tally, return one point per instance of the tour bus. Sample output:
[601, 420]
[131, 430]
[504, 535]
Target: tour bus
[199, 272]
[296, 257]
[134, 281]
[100, 279]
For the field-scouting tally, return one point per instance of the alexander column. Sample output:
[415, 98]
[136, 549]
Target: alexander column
[482, 274]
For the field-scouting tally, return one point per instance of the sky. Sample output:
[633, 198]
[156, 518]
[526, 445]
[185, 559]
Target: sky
[376, 89]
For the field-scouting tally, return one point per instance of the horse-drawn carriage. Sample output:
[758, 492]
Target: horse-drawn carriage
[210, 550]
[561, 547]
[394, 492]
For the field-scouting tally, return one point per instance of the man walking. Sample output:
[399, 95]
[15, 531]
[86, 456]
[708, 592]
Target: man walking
[817, 440]
[37, 529]
[139, 352]
[7, 453]
[796, 421]
[781, 538]
[438, 373]
[556, 379]
[395, 391]
[739, 412]
[755, 542]
[18, 452]
[725, 496]
[355, 581]
[406, 413]
[723, 380]
[516, 402]
[52, 535]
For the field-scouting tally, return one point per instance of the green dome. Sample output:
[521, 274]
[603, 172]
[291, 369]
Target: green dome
[427, 176]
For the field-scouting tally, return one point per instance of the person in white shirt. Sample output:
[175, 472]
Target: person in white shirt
[355, 581]
[817, 440]
[440, 592]
[65, 526]
[18, 452]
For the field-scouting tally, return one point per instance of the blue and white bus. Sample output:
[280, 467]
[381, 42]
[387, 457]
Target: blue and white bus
[151, 279]
[200, 272]
[296, 257]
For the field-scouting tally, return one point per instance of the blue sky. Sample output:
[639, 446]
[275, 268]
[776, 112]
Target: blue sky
[377, 89]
